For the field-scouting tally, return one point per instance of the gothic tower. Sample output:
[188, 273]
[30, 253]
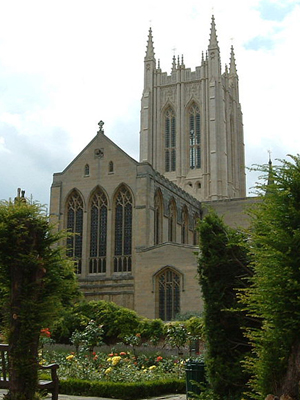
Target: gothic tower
[191, 124]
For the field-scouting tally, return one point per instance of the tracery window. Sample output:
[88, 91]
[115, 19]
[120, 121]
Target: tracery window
[98, 233]
[158, 215]
[195, 137]
[172, 222]
[170, 140]
[123, 231]
[184, 225]
[168, 283]
[75, 226]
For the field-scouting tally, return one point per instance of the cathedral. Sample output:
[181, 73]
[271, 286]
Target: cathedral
[135, 236]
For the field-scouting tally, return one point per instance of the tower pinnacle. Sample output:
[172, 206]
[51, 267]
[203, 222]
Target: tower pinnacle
[213, 40]
[150, 55]
[232, 68]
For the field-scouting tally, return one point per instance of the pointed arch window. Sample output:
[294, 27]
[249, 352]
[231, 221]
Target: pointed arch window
[195, 136]
[195, 230]
[168, 288]
[158, 215]
[170, 140]
[75, 226]
[98, 233]
[123, 231]
[184, 225]
[172, 222]
[110, 167]
[86, 170]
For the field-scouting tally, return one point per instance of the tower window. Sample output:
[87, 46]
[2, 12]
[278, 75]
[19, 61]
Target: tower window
[195, 137]
[98, 233]
[75, 227]
[123, 231]
[170, 140]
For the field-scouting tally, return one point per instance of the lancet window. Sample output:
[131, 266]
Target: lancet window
[75, 227]
[98, 232]
[168, 283]
[158, 215]
[170, 140]
[195, 136]
[172, 222]
[123, 231]
[184, 225]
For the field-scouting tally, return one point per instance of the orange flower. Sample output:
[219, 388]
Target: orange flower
[45, 332]
[159, 358]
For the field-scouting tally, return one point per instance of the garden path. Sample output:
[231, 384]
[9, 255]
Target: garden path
[67, 397]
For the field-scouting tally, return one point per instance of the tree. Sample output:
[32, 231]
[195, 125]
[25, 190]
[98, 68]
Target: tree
[35, 280]
[223, 267]
[274, 293]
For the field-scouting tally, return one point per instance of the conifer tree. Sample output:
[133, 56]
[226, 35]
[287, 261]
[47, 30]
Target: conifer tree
[35, 280]
[223, 265]
[274, 294]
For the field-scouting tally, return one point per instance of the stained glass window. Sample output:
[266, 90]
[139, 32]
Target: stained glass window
[123, 231]
[75, 226]
[98, 233]
[170, 140]
[195, 137]
[168, 294]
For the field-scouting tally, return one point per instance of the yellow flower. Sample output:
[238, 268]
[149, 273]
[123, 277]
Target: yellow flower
[108, 359]
[70, 357]
[152, 367]
[116, 360]
[108, 370]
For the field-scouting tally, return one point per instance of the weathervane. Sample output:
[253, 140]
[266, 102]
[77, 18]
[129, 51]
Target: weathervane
[100, 124]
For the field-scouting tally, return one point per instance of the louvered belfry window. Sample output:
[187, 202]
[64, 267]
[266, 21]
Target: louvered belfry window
[195, 137]
[170, 140]
[75, 227]
[123, 231]
[98, 233]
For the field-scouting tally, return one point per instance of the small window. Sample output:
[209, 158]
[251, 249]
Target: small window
[110, 167]
[86, 170]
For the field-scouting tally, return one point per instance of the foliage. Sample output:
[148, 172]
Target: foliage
[116, 321]
[116, 367]
[35, 280]
[274, 294]
[121, 390]
[91, 337]
[152, 330]
[223, 266]
[176, 335]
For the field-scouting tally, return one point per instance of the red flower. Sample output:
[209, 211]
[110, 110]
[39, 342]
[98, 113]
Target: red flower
[159, 358]
[45, 332]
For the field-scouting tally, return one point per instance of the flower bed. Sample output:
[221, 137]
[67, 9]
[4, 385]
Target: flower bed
[116, 367]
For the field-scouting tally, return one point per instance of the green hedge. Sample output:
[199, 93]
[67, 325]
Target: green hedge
[119, 390]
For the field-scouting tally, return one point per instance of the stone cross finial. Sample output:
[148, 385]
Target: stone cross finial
[100, 124]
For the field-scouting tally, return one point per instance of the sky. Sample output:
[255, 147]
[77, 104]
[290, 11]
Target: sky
[66, 65]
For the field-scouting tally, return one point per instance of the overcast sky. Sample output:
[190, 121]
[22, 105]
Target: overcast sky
[66, 65]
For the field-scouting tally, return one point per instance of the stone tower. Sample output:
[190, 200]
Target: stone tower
[191, 124]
